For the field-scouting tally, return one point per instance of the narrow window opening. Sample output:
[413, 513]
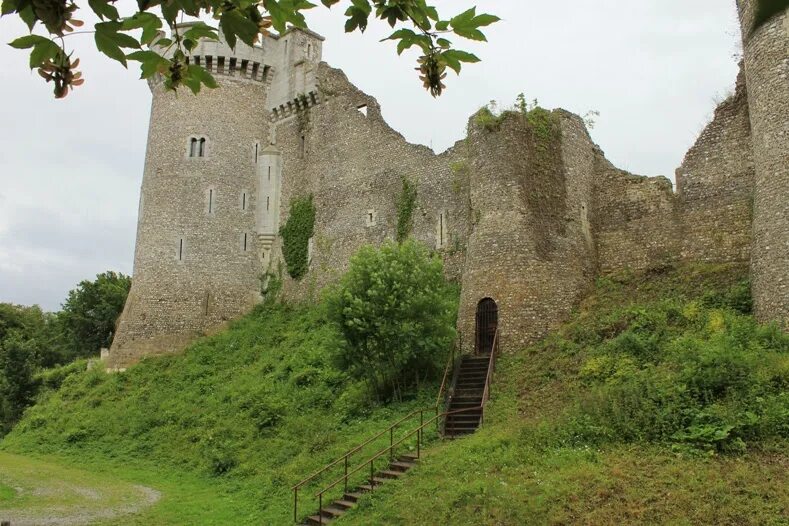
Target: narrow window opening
[256, 152]
[370, 217]
[207, 301]
[220, 64]
[209, 63]
[211, 201]
[197, 60]
[193, 147]
[362, 109]
[245, 242]
[268, 202]
[309, 50]
[181, 250]
[302, 146]
[201, 151]
[232, 66]
[269, 173]
[243, 201]
[286, 48]
[255, 66]
[244, 67]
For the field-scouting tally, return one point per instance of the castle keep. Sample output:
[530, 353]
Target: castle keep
[526, 211]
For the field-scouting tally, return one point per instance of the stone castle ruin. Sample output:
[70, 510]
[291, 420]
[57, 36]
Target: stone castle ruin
[526, 211]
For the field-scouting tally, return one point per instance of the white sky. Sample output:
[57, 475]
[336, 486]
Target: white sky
[70, 170]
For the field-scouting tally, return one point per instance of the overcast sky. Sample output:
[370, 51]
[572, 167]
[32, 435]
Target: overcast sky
[70, 170]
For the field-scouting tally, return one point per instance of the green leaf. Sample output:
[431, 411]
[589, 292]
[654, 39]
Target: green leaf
[28, 16]
[28, 41]
[329, 3]
[150, 24]
[444, 43]
[201, 30]
[42, 52]
[235, 25]
[202, 74]
[8, 7]
[104, 9]
[150, 63]
[453, 58]
[358, 14]
[107, 45]
[442, 26]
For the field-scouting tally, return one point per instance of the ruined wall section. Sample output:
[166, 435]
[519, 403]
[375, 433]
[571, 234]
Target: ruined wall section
[535, 279]
[715, 186]
[342, 152]
[766, 54]
[636, 222]
[195, 263]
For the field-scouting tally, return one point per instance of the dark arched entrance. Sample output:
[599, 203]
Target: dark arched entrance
[487, 322]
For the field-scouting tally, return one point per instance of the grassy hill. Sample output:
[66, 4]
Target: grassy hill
[223, 430]
[661, 401]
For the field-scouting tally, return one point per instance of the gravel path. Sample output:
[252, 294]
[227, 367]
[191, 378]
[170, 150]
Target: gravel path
[74, 516]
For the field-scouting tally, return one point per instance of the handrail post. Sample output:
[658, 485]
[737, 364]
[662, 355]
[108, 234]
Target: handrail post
[391, 441]
[346, 473]
[295, 504]
[320, 508]
[372, 482]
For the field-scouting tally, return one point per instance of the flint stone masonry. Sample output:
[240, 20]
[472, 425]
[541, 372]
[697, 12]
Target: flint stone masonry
[766, 53]
[527, 212]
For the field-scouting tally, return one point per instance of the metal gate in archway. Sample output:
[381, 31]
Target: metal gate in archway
[487, 321]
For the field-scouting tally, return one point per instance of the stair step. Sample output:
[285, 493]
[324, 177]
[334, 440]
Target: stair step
[407, 457]
[352, 497]
[344, 504]
[331, 511]
[315, 520]
[401, 466]
[390, 474]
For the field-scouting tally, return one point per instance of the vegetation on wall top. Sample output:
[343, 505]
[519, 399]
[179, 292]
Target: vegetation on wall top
[296, 234]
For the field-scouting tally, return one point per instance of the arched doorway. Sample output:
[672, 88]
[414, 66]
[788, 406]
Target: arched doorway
[486, 323]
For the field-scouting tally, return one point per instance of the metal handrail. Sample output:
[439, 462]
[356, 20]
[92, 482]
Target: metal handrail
[390, 450]
[491, 363]
[450, 361]
[355, 450]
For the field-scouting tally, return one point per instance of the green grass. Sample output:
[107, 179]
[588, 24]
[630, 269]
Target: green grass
[223, 430]
[35, 487]
[661, 402]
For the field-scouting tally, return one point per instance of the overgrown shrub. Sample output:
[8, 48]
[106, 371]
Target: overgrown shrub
[396, 313]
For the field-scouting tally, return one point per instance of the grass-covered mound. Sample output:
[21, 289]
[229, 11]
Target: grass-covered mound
[224, 429]
[662, 401]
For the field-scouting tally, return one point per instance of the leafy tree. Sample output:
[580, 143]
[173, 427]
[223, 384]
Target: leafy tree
[90, 312]
[415, 22]
[17, 386]
[396, 313]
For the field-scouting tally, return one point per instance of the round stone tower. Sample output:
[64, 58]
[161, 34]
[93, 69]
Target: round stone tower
[766, 53]
[196, 260]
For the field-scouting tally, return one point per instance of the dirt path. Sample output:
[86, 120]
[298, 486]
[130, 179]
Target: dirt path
[36, 492]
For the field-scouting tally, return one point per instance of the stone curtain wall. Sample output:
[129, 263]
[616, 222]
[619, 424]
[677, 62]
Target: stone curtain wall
[766, 55]
[636, 224]
[353, 165]
[172, 302]
[715, 186]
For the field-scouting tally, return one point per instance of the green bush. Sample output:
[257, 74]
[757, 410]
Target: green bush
[703, 375]
[397, 315]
